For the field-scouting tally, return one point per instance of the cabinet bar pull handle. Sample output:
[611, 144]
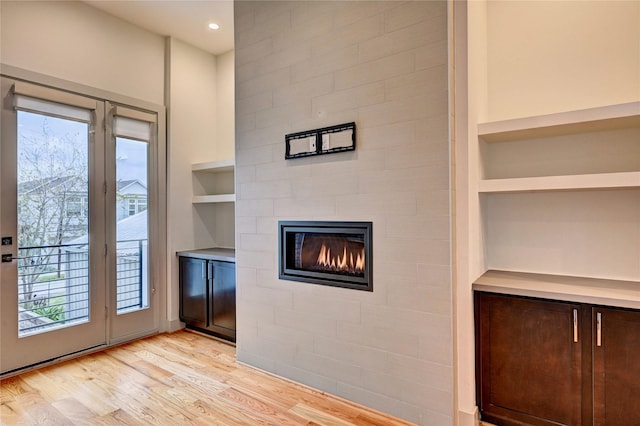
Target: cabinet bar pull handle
[598, 329]
[575, 326]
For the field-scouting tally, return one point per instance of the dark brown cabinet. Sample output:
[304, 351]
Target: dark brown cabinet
[208, 296]
[545, 362]
[616, 367]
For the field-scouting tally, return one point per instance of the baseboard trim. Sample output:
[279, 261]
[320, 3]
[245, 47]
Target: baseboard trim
[173, 326]
[469, 419]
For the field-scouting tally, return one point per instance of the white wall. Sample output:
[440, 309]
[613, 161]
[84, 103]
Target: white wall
[225, 144]
[225, 112]
[75, 42]
[552, 56]
[305, 65]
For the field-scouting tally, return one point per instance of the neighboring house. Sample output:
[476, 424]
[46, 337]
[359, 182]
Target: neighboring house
[55, 210]
[52, 210]
[131, 198]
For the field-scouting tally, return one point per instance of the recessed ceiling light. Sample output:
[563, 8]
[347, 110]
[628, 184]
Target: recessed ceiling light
[213, 26]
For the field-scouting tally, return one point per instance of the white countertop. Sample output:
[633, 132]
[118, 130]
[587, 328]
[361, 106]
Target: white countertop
[625, 294]
[214, 253]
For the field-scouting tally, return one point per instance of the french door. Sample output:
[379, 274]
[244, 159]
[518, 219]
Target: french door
[77, 203]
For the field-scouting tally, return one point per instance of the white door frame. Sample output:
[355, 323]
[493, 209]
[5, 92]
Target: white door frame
[111, 333]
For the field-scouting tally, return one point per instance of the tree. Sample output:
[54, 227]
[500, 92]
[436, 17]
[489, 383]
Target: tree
[52, 175]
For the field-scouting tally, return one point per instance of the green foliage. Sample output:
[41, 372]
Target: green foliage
[51, 277]
[52, 309]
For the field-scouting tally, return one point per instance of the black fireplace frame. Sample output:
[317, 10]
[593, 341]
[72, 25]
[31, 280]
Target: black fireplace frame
[327, 278]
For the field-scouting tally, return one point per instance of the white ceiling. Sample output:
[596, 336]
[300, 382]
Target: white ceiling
[185, 20]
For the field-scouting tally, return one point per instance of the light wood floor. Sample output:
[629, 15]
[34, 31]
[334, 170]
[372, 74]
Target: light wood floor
[172, 379]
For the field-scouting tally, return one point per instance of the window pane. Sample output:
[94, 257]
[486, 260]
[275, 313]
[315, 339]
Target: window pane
[53, 227]
[132, 289]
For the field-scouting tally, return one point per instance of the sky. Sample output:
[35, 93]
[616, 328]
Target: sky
[131, 155]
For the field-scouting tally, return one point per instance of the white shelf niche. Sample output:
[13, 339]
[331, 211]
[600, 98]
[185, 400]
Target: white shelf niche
[597, 148]
[580, 233]
[213, 182]
[561, 193]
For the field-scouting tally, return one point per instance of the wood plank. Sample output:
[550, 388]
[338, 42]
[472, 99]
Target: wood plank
[317, 416]
[116, 417]
[73, 410]
[12, 387]
[179, 378]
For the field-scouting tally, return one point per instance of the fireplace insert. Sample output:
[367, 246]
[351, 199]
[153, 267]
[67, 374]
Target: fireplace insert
[330, 253]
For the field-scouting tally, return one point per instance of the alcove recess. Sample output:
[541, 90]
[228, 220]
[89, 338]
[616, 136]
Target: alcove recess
[214, 198]
[213, 182]
[560, 197]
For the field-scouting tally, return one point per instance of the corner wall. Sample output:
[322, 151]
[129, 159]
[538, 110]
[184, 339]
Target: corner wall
[200, 107]
[305, 65]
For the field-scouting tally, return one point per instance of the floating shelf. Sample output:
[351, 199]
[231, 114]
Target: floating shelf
[610, 117]
[560, 287]
[561, 183]
[220, 198]
[214, 166]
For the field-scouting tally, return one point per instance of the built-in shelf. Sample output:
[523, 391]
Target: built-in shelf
[573, 289]
[609, 117]
[219, 198]
[563, 210]
[561, 183]
[562, 151]
[216, 167]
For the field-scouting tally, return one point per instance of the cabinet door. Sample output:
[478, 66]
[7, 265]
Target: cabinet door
[223, 300]
[528, 361]
[616, 364]
[193, 291]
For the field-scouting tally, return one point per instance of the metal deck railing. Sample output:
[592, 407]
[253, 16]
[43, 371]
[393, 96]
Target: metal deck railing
[54, 283]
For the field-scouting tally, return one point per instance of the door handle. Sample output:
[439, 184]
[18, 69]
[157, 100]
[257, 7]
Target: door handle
[6, 258]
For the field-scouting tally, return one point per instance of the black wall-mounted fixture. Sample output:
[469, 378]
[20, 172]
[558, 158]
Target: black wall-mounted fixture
[326, 140]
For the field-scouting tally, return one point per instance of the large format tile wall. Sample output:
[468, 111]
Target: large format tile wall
[305, 65]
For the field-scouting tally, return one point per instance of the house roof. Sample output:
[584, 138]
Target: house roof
[123, 184]
[130, 228]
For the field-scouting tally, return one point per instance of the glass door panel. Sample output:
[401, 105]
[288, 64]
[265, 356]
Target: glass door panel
[52, 290]
[53, 222]
[132, 214]
[132, 230]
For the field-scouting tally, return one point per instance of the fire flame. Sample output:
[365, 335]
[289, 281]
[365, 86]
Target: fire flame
[341, 263]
